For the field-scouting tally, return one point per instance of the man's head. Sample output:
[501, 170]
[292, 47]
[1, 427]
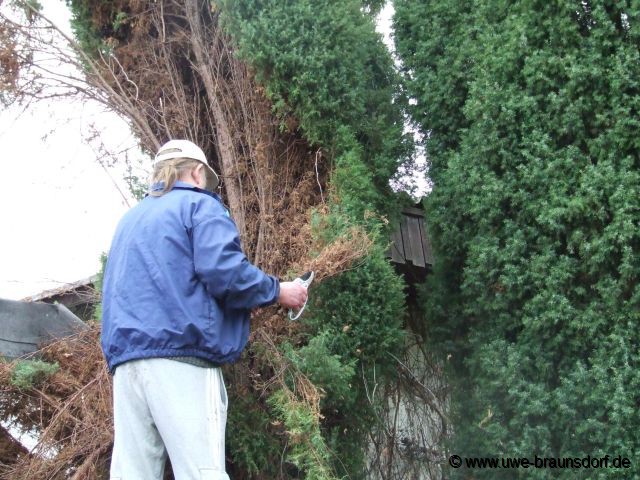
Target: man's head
[185, 161]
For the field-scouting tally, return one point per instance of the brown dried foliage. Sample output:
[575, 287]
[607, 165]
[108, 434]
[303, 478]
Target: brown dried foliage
[10, 62]
[71, 410]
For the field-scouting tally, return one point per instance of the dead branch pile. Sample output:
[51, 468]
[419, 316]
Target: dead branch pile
[71, 410]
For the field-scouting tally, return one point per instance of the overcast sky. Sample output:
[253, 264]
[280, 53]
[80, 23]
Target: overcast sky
[59, 205]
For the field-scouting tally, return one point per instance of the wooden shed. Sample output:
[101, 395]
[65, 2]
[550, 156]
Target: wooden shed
[410, 247]
[79, 297]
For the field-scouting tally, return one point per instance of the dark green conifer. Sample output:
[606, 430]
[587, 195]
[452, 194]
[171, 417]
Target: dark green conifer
[530, 110]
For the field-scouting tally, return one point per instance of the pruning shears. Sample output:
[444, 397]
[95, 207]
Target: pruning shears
[305, 280]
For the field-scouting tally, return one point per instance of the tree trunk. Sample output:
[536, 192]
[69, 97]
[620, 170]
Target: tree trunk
[224, 139]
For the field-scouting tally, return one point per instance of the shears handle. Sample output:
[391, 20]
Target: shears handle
[304, 280]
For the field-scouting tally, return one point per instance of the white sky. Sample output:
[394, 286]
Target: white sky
[59, 206]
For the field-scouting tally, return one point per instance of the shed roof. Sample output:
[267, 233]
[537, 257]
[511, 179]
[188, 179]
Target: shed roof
[80, 297]
[77, 288]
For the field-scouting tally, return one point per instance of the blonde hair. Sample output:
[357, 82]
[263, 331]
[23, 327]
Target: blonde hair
[169, 171]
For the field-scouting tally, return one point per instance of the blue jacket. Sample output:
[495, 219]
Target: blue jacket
[176, 282]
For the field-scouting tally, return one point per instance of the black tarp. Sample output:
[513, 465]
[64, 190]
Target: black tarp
[25, 325]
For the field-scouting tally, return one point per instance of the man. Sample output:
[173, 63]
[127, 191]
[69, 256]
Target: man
[176, 302]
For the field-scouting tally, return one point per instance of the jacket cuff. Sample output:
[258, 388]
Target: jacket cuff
[277, 294]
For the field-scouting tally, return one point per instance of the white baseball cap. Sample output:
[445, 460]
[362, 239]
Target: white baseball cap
[186, 149]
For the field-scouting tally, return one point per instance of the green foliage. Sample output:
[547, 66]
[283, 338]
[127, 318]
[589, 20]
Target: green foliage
[30, 373]
[137, 186]
[346, 411]
[323, 63]
[252, 445]
[313, 76]
[531, 114]
[361, 312]
[90, 37]
[359, 318]
[307, 449]
[120, 20]
[98, 286]
[373, 7]
[325, 369]
[352, 184]
[437, 51]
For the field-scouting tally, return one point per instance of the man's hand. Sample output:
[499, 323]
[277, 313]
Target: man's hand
[292, 295]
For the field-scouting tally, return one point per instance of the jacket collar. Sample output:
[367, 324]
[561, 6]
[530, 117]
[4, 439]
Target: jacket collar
[180, 185]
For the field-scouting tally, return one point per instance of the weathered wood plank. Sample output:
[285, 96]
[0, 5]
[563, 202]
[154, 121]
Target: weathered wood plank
[415, 240]
[426, 242]
[397, 249]
[404, 230]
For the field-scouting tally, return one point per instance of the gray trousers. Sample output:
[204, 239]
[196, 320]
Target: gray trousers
[162, 407]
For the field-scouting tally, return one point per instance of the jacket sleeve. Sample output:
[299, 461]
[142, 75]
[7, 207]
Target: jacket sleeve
[225, 270]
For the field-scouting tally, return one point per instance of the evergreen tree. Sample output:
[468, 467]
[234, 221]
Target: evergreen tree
[324, 64]
[530, 111]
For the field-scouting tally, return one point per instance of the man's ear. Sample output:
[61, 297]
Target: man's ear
[199, 176]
